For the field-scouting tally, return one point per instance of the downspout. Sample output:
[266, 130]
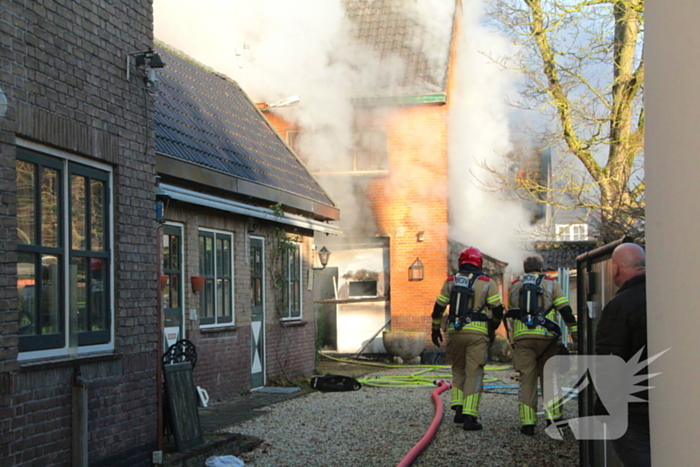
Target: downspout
[79, 436]
[159, 343]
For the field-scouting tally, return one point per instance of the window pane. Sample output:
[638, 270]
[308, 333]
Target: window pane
[380, 151]
[97, 215]
[166, 252]
[219, 255]
[174, 253]
[49, 207]
[201, 255]
[208, 256]
[26, 291]
[26, 202]
[98, 303]
[209, 299]
[226, 253]
[219, 297]
[80, 287]
[227, 314]
[174, 287]
[51, 285]
[78, 212]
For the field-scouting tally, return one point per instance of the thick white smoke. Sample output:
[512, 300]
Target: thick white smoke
[480, 133]
[304, 47]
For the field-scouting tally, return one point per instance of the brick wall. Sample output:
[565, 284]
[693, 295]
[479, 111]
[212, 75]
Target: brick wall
[223, 354]
[62, 66]
[413, 198]
[410, 199]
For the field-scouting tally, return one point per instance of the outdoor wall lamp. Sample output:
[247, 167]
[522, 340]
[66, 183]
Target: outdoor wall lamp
[162, 199]
[420, 236]
[415, 272]
[3, 103]
[323, 255]
[147, 61]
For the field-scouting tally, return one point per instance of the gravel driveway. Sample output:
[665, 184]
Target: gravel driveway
[378, 426]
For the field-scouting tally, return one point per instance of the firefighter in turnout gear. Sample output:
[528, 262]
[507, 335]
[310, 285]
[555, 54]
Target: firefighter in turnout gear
[535, 299]
[475, 313]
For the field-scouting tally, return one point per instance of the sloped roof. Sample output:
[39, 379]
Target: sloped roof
[205, 119]
[417, 32]
[557, 255]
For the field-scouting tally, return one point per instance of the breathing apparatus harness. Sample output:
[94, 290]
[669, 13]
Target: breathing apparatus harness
[530, 312]
[462, 302]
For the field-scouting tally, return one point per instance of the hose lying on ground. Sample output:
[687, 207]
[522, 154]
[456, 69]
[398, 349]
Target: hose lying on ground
[432, 429]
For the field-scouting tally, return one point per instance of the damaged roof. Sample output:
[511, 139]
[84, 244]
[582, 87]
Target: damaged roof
[411, 38]
[205, 119]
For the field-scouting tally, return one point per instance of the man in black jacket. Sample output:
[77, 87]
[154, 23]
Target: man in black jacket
[622, 331]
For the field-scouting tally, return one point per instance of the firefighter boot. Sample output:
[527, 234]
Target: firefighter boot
[470, 423]
[528, 430]
[458, 414]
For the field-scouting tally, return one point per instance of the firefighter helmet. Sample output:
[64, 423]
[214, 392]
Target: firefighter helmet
[471, 256]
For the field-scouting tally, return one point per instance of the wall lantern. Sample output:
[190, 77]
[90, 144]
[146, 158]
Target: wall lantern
[420, 236]
[162, 199]
[415, 272]
[323, 255]
[3, 103]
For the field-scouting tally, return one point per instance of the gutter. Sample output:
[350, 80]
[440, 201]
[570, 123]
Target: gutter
[201, 199]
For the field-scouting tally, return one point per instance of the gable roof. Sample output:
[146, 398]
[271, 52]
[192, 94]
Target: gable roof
[204, 119]
[419, 33]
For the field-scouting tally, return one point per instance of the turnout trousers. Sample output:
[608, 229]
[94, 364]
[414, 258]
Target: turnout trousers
[468, 353]
[525, 353]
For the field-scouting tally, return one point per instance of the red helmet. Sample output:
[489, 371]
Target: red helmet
[471, 256]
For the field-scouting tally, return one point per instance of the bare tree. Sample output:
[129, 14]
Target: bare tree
[584, 71]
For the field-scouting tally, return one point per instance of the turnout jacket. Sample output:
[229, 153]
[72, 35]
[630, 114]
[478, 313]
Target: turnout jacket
[486, 296]
[552, 301]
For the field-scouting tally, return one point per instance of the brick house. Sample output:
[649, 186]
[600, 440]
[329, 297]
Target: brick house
[77, 243]
[242, 212]
[398, 169]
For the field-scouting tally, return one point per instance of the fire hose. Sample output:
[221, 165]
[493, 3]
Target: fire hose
[408, 459]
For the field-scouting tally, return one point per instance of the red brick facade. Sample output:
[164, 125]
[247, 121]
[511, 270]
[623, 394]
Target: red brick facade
[411, 198]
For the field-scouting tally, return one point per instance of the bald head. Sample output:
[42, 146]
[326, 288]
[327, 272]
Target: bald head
[629, 260]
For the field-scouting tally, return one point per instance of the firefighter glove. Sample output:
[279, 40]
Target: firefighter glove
[492, 331]
[436, 337]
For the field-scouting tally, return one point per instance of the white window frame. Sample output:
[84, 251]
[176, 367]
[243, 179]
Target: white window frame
[216, 322]
[572, 232]
[66, 349]
[287, 314]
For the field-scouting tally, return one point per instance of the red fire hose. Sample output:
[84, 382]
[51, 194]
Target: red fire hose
[432, 429]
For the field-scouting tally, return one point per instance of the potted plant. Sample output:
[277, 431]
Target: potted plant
[198, 283]
[163, 281]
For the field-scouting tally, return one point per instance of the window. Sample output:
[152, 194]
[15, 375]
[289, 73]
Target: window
[64, 255]
[292, 291]
[362, 289]
[370, 151]
[368, 154]
[572, 232]
[216, 264]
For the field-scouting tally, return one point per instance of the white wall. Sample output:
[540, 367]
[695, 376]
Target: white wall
[672, 94]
